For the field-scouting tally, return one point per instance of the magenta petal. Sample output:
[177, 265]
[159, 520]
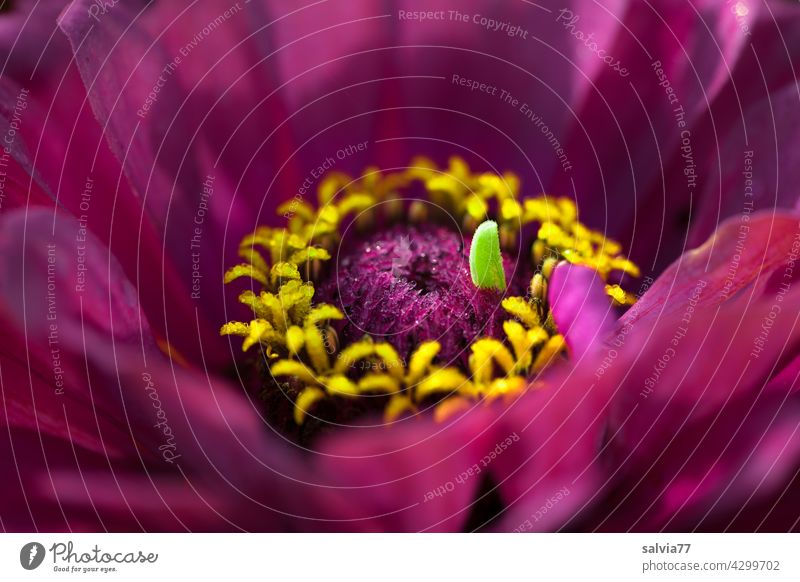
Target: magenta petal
[212, 116]
[401, 478]
[27, 41]
[23, 185]
[742, 253]
[701, 429]
[674, 421]
[758, 117]
[199, 434]
[625, 132]
[763, 165]
[82, 300]
[50, 155]
[30, 500]
[81, 287]
[57, 413]
[552, 474]
[126, 501]
[581, 308]
[238, 473]
[698, 425]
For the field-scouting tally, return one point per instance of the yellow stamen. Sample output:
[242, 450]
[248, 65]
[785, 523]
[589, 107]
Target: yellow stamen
[522, 310]
[378, 383]
[421, 360]
[446, 380]
[305, 400]
[245, 271]
[551, 349]
[619, 295]
[315, 348]
[450, 408]
[398, 405]
[293, 332]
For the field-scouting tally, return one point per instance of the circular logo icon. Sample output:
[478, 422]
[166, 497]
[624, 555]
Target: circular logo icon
[31, 555]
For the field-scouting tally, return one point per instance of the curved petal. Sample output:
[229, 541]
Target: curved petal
[96, 384]
[210, 442]
[677, 411]
[57, 155]
[663, 71]
[759, 164]
[416, 475]
[63, 296]
[183, 95]
[27, 41]
[580, 306]
[742, 253]
[706, 431]
[551, 476]
[750, 122]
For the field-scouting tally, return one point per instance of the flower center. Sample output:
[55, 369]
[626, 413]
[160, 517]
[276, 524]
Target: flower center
[369, 302]
[410, 284]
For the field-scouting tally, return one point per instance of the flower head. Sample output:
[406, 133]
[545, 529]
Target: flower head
[400, 321]
[368, 376]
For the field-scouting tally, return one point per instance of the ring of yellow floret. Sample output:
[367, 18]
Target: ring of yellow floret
[295, 333]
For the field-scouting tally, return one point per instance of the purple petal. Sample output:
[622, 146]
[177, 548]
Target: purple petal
[742, 253]
[62, 295]
[209, 440]
[706, 430]
[401, 478]
[28, 44]
[581, 308]
[551, 475]
[761, 165]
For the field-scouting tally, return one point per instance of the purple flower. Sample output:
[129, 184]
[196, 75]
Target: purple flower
[143, 143]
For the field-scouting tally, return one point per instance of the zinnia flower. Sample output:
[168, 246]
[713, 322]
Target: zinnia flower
[347, 267]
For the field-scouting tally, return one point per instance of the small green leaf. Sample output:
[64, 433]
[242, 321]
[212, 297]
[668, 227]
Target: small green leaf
[485, 260]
